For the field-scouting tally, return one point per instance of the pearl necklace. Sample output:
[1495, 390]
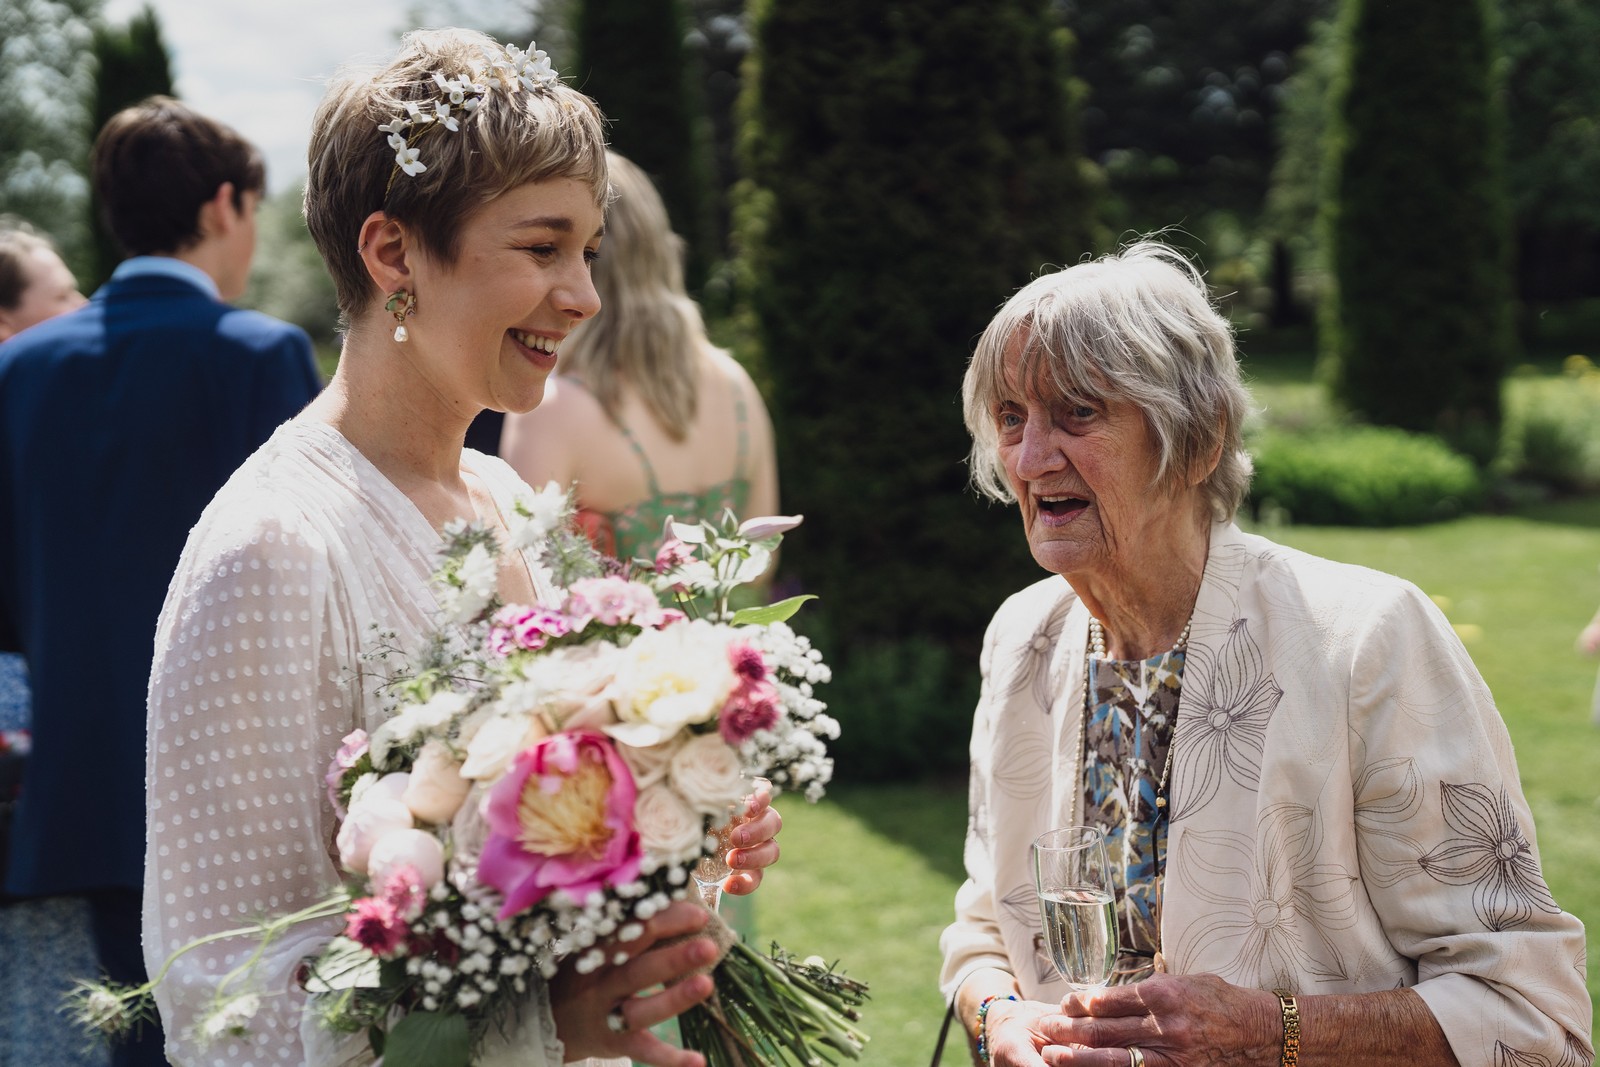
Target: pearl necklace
[1097, 645]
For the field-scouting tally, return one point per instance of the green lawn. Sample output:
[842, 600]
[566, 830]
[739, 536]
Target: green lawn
[867, 875]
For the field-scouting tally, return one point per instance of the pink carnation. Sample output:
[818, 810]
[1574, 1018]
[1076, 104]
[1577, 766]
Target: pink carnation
[521, 626]
[672, 555]
[376, 926]
[561, 818]
[747, 662]
[350, 752]
[752, 708]
[665, 617]
[405, 893]
[610, 602]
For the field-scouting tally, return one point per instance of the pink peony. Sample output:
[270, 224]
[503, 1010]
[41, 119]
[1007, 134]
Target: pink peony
[351, 749]
[521, 626]
[610, 602]
[561, 818]
[376, 926]
[747, 662]
[752, 708]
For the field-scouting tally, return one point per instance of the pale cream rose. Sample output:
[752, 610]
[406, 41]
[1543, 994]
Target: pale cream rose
[374, 815]
[671, 678]
[436, 789]
[579, 684]
[649, 765]
[707, 773]
[667, 826]
[417, 849]
[496, 743]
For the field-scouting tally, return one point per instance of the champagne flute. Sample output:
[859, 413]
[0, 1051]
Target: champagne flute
[713, 870]
[1078, 902]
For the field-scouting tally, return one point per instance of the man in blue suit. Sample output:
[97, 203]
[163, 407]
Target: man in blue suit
[118, 422]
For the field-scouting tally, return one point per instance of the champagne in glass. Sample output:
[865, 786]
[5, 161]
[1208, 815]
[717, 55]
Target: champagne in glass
[713, 870]
[1078, 903]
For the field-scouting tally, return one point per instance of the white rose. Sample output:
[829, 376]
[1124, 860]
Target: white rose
[417, 849]
[667, 826]
[707, 773]
[376, 814]
[436, 789]
[497, 742]
[649, 765]
[670, 679]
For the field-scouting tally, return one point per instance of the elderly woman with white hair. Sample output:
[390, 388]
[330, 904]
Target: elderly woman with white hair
[1318, 841]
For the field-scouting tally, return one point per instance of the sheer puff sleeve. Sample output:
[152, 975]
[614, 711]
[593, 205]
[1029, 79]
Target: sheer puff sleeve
[250, 692]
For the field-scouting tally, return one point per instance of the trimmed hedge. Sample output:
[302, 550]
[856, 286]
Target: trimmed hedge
[1363, 476]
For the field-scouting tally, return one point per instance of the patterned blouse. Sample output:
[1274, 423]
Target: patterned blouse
[1133, 706]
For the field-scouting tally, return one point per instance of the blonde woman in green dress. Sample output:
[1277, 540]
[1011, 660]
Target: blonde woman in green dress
[647, 418]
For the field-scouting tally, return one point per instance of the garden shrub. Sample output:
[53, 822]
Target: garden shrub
[904, 709]
[1361, 476]
[1552, 435]
[1417, 328]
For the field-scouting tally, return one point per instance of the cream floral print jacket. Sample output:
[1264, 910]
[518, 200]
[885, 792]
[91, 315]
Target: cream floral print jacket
[1346, 810]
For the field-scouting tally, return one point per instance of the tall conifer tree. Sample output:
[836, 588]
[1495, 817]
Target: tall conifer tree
[631, 58]
[131, 63]
[1417, 331]
[910, 167]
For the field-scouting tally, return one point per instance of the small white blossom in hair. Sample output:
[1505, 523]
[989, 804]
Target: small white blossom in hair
[406, 159]
[510, 66]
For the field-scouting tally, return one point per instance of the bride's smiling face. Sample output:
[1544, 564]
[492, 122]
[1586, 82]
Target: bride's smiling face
[490, 325]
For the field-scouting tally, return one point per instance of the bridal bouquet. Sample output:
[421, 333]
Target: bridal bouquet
[548, 778]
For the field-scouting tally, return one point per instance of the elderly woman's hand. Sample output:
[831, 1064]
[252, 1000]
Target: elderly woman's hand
[1173, 1020]
[1013, 1032]
[755, 842]
[608, 1012]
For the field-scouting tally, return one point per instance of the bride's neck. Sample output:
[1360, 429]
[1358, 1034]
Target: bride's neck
[407, 440]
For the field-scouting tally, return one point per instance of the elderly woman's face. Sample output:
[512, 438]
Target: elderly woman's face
[1082, 471]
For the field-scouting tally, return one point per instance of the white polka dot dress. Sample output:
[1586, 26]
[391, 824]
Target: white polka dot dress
[298, 561]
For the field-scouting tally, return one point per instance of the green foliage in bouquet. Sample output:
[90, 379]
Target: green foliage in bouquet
[1417, 328]
[910, 166]
[1363, 476]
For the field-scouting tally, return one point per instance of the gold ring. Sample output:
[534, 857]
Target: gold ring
[1135, 1057]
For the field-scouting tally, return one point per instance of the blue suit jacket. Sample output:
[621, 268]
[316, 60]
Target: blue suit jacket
[118, 423]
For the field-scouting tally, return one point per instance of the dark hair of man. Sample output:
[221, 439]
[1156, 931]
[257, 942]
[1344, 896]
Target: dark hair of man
[154, 164]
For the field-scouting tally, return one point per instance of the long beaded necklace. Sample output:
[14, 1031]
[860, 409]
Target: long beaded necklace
[1097, 646]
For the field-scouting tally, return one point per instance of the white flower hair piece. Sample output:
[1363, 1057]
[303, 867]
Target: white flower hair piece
[509, 68]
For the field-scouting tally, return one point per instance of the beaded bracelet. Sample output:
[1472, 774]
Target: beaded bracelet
[983, 1030]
